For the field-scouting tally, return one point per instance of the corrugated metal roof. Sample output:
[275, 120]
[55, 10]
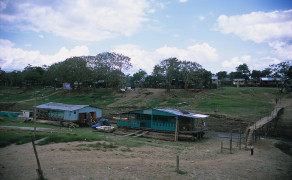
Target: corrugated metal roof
[174, 112]
[61, 106]
[183, 113]
[270, 79]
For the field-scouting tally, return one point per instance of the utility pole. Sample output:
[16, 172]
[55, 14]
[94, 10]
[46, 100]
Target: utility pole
[35, 111]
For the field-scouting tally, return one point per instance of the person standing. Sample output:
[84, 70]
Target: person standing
[251, 149]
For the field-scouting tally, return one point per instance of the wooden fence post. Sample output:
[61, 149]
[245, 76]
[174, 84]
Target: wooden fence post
[255, 131]
[176, 130]
[221, 146]
[231, 141]
[39, 170]
[177, 163]
[239, 139]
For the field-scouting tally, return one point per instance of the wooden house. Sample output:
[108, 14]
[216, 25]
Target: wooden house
[68, 112]
[268, 81]
[238, 82]
[172, 120]
[253, 82]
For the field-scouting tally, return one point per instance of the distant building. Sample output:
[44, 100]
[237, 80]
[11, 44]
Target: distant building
[238, 82]
[269, 81]
[253, 82]
[215, 80]
[68, 112]
[27, 114]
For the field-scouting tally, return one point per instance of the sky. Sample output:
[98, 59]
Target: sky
[218, 34]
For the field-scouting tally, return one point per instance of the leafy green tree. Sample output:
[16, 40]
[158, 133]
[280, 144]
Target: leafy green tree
[3, 78]
[15, 78]
[244, 70]
[105, 66]
[188, 71]
[255, 74]
[283, 71]
[203, 77]
[33, 75]
[235, 75]
[170, 69]
[71, 70]
[138, 78]
[222, 75]
[266, 72]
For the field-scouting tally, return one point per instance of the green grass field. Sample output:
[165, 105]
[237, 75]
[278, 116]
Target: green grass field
[243, 102]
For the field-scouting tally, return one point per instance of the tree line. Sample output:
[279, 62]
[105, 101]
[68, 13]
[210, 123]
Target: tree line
[281, 71]
[107, 70]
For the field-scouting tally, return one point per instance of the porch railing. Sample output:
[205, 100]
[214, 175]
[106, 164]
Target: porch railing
[164, 126]
[128, 123]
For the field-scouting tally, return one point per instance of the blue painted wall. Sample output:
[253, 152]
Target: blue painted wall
[74, 115]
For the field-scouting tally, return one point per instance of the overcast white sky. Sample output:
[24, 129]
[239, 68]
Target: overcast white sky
[219, 35]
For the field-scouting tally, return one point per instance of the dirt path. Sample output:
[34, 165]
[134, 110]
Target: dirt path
[27, 128]
[32, 99]
[154, 160]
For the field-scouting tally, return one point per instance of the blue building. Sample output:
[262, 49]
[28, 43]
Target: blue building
[69, 112]
[171, 120]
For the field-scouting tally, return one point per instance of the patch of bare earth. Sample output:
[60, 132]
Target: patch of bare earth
[155, 160]
[138, 95]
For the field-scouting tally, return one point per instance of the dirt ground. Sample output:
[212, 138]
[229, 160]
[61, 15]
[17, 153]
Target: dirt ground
[156, 159]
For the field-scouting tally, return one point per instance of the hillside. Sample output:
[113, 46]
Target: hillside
[229, 107]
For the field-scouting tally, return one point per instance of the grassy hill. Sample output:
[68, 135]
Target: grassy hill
[245, 104]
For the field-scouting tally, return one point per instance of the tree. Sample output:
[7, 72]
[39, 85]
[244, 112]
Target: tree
[170, 69]
[188, 72]
[71, 70]
[235, 75]
[244, 70]
[138, 78]
[266, 72]
[222, 75]
[33, 75]
[15, 78]
[283, 71]
[203, 77]
[3, 78]
[105, 66]
[256, 74]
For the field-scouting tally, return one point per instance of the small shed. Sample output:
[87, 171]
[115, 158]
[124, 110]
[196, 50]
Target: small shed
[27, 114]
[68, 112]
[165, 120]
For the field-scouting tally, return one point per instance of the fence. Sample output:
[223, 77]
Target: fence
[235, 140]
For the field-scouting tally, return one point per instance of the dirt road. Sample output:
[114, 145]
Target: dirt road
[155, 160]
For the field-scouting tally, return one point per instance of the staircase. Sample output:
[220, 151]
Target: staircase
[259, 124]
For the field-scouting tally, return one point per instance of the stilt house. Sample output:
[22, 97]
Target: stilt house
[164, 120]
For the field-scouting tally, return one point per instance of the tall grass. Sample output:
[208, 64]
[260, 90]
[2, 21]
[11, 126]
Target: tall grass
[17, 137]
